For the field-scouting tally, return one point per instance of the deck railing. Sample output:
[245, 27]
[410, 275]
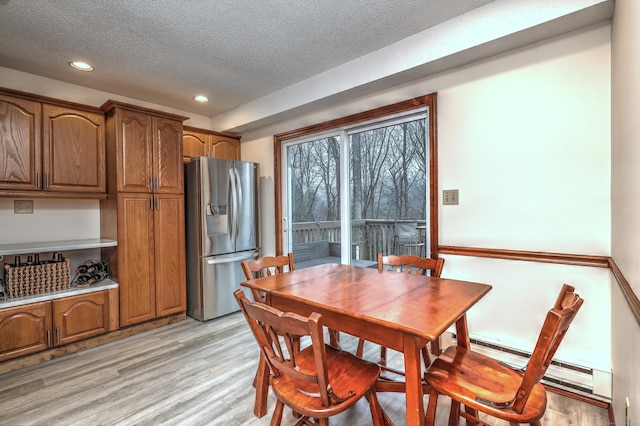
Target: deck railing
[368, 236]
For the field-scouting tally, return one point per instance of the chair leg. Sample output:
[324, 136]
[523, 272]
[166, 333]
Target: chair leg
[277, 414]
[431, 408]
[261, 380]
[472, 413]
[383, 356]
[454, 414]
[378, 415]
[360, 348]
[334, 338]
[426, 359]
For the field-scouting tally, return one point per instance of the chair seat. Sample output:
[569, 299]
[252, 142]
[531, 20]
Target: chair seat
[349, 377]
[459, 373]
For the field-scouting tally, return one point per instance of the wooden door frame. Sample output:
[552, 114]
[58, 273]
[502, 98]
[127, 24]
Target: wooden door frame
[429, 101]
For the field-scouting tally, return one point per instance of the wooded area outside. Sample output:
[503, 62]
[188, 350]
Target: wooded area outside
[387, 175]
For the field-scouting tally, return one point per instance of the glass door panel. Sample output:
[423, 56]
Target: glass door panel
[313, 201]
[388, 190]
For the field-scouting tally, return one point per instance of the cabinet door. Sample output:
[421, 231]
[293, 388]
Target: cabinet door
[224, 147]
[20, 144]
[25, 329]
[170, 254]
[168, 167]
[79, 317]
[194, 144]
[73, 150]
[136, 258]
[135, 152]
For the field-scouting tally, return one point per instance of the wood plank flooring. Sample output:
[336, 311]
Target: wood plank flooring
[187, 373]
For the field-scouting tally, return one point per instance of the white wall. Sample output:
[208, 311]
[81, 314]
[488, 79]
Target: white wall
[625, 195]
[525, 137]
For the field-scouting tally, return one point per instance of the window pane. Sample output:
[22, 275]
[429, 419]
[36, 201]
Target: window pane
[388, 184]
[314, 201]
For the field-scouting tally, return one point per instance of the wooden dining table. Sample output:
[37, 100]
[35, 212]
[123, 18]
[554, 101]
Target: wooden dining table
[400, 311]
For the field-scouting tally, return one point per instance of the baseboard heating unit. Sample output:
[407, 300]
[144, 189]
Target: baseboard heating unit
[585, 381]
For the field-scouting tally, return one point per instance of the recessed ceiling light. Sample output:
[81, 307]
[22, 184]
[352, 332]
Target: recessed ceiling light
[81, 66]
[201, 98]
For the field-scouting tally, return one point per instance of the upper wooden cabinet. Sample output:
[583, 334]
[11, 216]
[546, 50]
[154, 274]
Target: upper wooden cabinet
[73, 154]
[50, 149]
[207, 143]
[145, 149]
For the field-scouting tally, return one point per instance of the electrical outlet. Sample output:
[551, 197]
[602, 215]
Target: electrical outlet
[23, 206]
[450, 197]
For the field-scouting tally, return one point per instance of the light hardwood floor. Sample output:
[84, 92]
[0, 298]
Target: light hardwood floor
[188, 373]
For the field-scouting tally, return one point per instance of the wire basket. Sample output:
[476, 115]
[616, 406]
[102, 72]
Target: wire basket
[21, 281]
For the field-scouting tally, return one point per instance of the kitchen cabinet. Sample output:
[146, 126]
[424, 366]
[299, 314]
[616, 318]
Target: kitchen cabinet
[144, 211]
[146, 149]
[195, 143]
[151, 256]
[50, 148]
[39, 326]
[208, 143]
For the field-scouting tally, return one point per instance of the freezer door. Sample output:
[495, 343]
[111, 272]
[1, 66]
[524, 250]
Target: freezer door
[247, 219]
[217, 204]
[221, 276]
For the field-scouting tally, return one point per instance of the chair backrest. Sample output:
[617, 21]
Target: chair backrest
[277, 332]
[555, 327]
[406, 229]
[266, 266]
[411, 264]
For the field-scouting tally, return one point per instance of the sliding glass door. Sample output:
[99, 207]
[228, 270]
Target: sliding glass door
[343, 202]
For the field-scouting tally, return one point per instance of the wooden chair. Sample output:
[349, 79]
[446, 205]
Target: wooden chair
[266, 266]
[485, 385]
[408, 264]
[406, 238]
[316, 382]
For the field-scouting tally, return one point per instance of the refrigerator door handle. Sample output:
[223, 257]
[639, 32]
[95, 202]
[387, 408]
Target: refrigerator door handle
[234, 205]
[253, 255]
[239, 198]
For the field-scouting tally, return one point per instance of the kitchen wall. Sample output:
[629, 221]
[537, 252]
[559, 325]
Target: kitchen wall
[525, 137]
[625, 198]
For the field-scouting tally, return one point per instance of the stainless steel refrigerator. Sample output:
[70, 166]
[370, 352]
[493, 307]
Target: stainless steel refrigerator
[222, 230]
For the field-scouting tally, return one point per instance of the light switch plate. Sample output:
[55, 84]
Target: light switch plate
[450, 197]
[23, 206]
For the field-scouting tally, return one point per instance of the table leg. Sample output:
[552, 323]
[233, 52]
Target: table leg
[262, 388]
[413, 376]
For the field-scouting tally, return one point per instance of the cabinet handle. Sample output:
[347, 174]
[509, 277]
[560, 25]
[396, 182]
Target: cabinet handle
[58, 335]
[46, 181]
[157, 203]
[151, 183]
[38, 183]
[157, 183]
[48, 338]
[151, 202]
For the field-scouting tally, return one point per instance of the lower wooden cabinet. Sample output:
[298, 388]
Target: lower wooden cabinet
[39, 326]
[25, 329]
[151, 256]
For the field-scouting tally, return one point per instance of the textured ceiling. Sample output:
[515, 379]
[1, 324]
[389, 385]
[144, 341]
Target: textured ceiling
[234, 51]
